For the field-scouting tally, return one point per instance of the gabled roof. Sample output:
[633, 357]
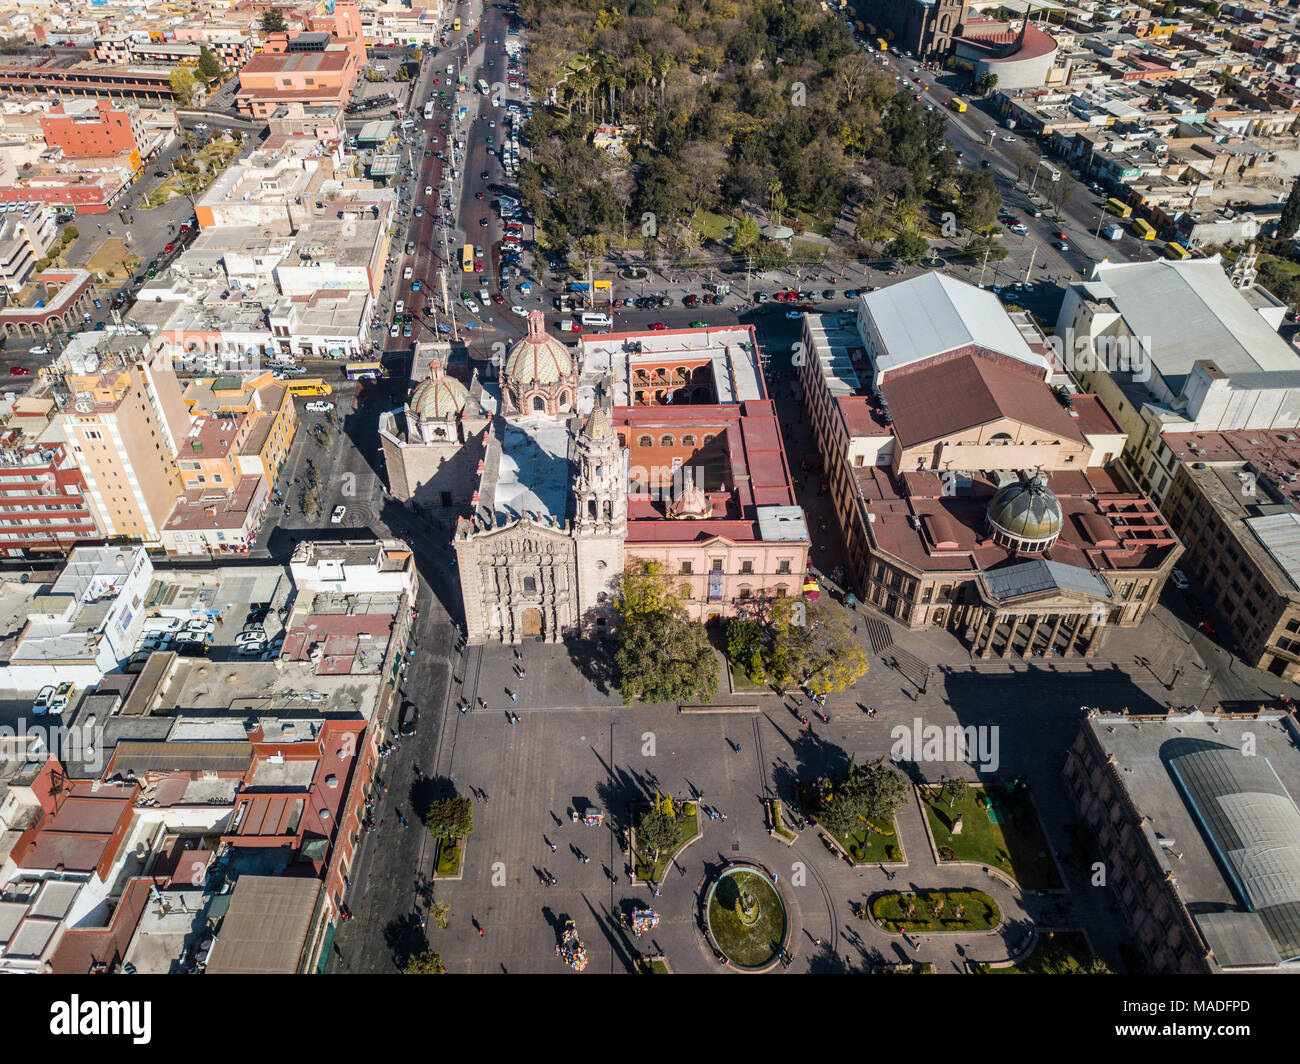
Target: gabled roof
[932, 314]
[968, 391]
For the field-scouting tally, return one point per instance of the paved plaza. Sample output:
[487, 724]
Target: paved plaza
[576, 743]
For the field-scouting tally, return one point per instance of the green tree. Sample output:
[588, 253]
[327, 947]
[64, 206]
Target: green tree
[661, 657]
[873, 791]
[209, 67]
[909, 247]
[449, 819]
[71, 233]
[441, 913]
[978, 200]
[987, 83]
[746, 235]
[658, 831]
[273, 21]
[425, 963]
[743, 638]
[821, 648]
[183, 84]
[1290, 220]
[956, 789]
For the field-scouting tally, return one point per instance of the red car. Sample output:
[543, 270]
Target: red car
[497, 297]
[478, 267]
[1207, 626]
[19, 371]
[1060, 235]
[170, 247]
[478, 195]
[658, 326]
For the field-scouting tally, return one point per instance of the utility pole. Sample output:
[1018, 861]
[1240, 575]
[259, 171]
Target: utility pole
[749, 273]
[1030, 268]
[984, 265]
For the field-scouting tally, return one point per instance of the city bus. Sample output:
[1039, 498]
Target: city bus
[957, 105]
[309, 386]
[1142, 230]
[1119, 207]
[467, 259]
[1176, 251]
[363, 371]
[483, 89]
[428, 110]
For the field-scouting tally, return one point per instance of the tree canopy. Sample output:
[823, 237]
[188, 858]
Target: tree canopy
[273, 21]
[425, 963]
[449, 819]
[874, 791]
[661, 656]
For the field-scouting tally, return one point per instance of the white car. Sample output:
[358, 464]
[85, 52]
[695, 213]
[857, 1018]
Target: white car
[336, 517]
[406, 274]
[399, 306]
[471, 306]
[256, 635]
[794, 315]
[1179, 579]
[43, 699]
[519, 310]
[42, 350]
[428, 190]
[199, 627]
[320, 406]
[394, 331]
[249, 649]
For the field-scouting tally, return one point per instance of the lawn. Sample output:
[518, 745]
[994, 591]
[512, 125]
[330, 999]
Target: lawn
[1055, 953]
[688, 827]
[876, 842]
[448, 860]
[653, 966]
[775, 807]
[1016, 845]
[980, 912]
[711, 226]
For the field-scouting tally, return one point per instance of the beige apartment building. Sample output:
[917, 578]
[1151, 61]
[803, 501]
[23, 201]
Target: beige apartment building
[125, 422]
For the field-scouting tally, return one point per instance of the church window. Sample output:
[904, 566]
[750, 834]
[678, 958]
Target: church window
[538, 403]
[667, 441]
[530, 585]
[645, 441]
[688, 441]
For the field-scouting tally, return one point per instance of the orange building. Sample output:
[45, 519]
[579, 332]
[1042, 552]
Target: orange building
[92, 129]
[241, 428]
[319, 66]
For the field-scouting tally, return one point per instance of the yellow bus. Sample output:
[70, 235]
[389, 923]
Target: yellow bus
[455, 25]
[1177, 251]
[957, 105]
[309, 386]
[1119, 207]
[1142, 230]
[363, 371]
[467, 259]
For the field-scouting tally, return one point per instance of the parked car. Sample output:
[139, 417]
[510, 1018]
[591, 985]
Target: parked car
[336, 515]
[43, 698]
[1179, 579]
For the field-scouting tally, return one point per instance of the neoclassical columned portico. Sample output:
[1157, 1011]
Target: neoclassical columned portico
[1042, 632]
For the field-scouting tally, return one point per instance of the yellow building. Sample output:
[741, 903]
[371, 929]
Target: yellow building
[241, 427]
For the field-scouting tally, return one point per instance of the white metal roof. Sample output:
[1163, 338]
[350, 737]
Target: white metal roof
[933, 313]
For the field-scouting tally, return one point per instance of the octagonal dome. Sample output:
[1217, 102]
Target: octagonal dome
[438, 396]
[538, 358]
[1025, 516]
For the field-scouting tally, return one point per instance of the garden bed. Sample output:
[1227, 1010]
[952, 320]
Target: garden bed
[1055, 953]
[961, 910]
[688, 827]
[449, 859]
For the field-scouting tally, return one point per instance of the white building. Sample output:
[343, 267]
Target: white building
[1175, 347]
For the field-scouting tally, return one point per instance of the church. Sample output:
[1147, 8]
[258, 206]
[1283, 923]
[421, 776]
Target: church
[660, 445]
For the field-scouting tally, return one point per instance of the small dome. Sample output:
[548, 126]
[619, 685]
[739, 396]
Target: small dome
[538, 358]
[1025, 516]
[598, 426]
[439, 396]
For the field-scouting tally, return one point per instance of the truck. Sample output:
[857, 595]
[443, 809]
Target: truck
[1112, 231]
[1053, 174]
[482, 87]
[957, 105]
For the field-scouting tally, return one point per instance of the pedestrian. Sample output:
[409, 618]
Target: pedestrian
[482, 931]
[776, 877]
[513, 697]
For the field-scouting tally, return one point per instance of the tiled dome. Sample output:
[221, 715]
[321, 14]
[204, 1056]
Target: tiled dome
[1026, 512]
[439, 396]
[538, 358]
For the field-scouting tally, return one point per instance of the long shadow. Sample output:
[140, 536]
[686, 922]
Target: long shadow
[404, 938]
[616, 934]
[594, 659]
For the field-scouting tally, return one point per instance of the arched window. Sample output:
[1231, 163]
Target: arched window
[781, 590]
[591, 509]
[743, 591]
[645, 441]
[1000, 439]
[688, 440]
[564, 398]
[538, 403]
[667, 441]
[708, 438]
[622, 439]
[609, 511]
